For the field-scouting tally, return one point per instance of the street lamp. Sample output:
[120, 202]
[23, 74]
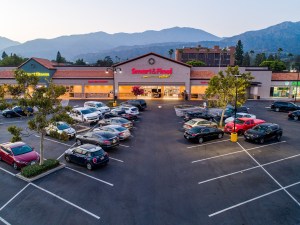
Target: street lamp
[114, 69]
[233, 136]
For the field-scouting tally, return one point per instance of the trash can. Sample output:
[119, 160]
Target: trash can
[233, 137]
[258, 97]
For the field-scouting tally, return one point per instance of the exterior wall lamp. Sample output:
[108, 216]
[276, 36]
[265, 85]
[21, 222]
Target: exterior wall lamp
[114, 69]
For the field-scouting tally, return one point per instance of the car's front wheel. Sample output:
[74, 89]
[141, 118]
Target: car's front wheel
[277, 109]
[278, 137]
[15, 166]
[67, 158]
[78, 142]
[220, 136]
[8, 115]
[296, 117]
[262, 140]
[89, 166]
[200, 140]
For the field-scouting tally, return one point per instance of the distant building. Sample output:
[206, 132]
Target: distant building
[215, 56]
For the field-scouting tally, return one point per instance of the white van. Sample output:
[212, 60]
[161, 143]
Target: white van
[84, 115]
[100, 106]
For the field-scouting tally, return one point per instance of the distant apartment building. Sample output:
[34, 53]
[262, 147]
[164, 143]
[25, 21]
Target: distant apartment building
[215, 56]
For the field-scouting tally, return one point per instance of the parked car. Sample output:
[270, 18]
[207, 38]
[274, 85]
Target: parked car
[130, 109]
[94, 110]
[102, 138]
[17, 111]
[84, 115]
[241, 125]
[122, 132]
[117, 121]
[202, 133]
[121, 113]
[139, 103]
[284, 106]
[203, 115]
[240, 115]
[263, 132]
[100, 106]
[199, 122]
[87, 155]
[295, 115]
[18, 154]
[61, 127]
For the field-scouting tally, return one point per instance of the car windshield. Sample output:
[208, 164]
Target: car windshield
[123, 120]
[120, 129]
[20, 150]
[93, 109]
[260, 128]
[100, 105]
[63, 126]
[97, 153]
[106, 135]
[191, 122]
[86, 111]
[134, 109]
[239, 121]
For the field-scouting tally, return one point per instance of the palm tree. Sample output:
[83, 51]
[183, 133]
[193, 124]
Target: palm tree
[290, 56]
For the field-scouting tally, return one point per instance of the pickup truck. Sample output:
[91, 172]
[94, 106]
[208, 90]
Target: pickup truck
[241, 125]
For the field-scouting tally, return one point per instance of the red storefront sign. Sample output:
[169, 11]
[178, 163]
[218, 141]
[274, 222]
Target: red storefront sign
[151, 71]
[97, 81]
[203, 82]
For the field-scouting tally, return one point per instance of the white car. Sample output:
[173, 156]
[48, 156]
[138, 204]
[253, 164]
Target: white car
[130, 109]
[122, 132]
[240, 115]
[60, 127]
[100, 106]
[198, 122]
[84, 115]
[94, 110]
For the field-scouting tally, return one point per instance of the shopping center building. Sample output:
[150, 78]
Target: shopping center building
[159, 76]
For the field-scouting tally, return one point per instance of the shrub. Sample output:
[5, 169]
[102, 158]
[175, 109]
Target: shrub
[63, 136]
[34, 170]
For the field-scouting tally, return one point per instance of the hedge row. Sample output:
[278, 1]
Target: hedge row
[34, 170]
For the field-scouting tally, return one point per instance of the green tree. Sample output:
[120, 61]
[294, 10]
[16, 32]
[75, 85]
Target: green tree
[239, 53]
[59, 58]
[107, 61]
[251, 57]
[195, 63]
[275, 66]
[16, 132]
[44, 99]
[279, 50]
[271, 57]
[259, 58]
[12, 60]
[171, 51]
[246, 60]
[222, 88]
[4, 55]
[80, 62]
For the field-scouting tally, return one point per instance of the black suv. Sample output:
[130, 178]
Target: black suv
[203, 115]
[262, 132]
[87, 155]
[139, 103]
[284, 106]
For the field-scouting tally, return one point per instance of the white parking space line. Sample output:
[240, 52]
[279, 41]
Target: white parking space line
[66, 201]
[251, 168]
[119, 160]
[11, 122]
[126, 146]
[102, 181]
[14, 197]
[67, 149]
[4, 221]
[54, 141]
[195, 146]
[252, 199]
[8, 172]
[295, 200]
[231, 153]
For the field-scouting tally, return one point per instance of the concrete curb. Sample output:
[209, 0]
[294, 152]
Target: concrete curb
[61, 166]
[82, 130]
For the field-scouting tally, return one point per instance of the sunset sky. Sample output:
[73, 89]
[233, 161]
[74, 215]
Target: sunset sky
[31, 19]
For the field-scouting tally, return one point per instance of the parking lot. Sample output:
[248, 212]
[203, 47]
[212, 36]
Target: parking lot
[158, 177]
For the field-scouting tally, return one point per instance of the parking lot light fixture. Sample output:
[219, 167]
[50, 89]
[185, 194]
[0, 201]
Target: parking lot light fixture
[295, 100]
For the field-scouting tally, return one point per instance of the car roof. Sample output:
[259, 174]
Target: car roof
[245, 119]
[112, 126]
[199, 119]
[89, 147]
[93, 102]
[269, 124]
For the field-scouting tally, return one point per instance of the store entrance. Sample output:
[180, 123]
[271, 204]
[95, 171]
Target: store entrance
[154, 92]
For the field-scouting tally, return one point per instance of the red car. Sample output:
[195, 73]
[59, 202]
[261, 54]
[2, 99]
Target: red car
[241, 125]
[18, 154]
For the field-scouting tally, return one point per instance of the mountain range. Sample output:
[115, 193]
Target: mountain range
[122, 46]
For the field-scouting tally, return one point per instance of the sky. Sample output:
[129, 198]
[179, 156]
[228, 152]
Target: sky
[32, 19]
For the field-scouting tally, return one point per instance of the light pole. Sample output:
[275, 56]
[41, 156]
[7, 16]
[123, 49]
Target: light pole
[297, 86]
[233, 136]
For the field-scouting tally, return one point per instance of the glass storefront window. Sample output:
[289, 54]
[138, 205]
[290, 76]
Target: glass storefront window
[280, 92]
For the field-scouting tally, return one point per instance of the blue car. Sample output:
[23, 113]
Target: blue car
[17, 111]
[88, 155]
